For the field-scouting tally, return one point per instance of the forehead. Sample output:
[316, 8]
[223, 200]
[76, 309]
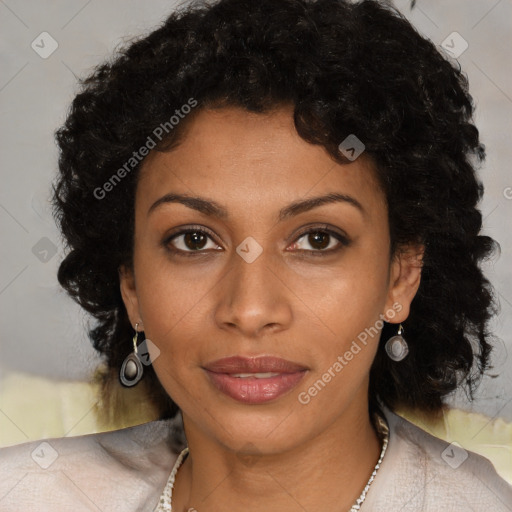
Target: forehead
[248, 160]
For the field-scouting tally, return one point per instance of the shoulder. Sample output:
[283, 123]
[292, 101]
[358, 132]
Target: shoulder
[127, 467]
[423, 472]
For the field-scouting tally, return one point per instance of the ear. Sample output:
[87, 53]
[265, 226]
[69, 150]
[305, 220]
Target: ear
[129, 294]
[404, 280]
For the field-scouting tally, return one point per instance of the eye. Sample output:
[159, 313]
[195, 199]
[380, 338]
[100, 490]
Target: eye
[188, 241]
[194, 241]
[321, 239]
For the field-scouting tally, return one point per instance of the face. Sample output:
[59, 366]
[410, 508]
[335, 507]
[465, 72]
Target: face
[253, 269]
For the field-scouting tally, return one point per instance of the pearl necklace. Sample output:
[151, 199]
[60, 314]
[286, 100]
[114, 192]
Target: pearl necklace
[165, 503]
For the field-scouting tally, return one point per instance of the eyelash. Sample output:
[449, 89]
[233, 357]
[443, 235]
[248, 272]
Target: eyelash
[344, 240]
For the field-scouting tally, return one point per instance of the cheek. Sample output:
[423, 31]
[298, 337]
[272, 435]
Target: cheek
[175, 305]
[349, 315]
[355, 294]
[174, 316]
[168, 293]
[350, 308]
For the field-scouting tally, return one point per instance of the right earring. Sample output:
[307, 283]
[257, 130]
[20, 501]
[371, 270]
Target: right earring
[396, 347]
[131, 370]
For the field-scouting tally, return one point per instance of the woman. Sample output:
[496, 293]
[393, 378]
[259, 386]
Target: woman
[270, 209]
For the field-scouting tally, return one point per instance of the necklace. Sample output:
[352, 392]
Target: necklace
[165, 503]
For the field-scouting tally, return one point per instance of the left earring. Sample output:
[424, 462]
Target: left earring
[396, 347]
[131, 369]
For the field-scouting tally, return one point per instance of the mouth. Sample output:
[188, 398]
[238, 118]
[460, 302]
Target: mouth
[254, 380]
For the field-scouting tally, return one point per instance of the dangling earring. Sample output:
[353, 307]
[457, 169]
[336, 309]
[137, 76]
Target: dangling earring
[396, 347]
[131, 369]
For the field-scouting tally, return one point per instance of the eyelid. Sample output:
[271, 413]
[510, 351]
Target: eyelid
[180, 230]
[321, 228]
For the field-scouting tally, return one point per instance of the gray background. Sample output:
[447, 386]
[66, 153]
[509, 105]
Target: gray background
[43, 331]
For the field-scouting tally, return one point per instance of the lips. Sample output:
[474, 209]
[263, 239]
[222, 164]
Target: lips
[254, 380]
[262, 364]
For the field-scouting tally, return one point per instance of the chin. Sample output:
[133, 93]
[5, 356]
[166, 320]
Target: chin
[251, 428]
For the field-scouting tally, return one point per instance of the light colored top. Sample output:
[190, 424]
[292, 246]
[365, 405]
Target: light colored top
[127, 469]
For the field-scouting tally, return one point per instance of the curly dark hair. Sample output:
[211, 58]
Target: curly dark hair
[346, 68]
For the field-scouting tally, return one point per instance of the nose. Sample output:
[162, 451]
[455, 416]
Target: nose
[254, 300]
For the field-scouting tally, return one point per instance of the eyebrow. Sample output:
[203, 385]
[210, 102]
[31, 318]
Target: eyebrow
[212, 208]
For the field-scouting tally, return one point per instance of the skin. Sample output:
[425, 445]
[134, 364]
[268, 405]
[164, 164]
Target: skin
[304, 307]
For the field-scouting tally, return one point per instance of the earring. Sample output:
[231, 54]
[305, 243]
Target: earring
[396, 347]
[131, 369]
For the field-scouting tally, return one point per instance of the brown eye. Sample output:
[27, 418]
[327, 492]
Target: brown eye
[189, 241]
[320, 240]
[195, 240]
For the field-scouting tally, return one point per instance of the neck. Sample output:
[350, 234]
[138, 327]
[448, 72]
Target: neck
[325, 473]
